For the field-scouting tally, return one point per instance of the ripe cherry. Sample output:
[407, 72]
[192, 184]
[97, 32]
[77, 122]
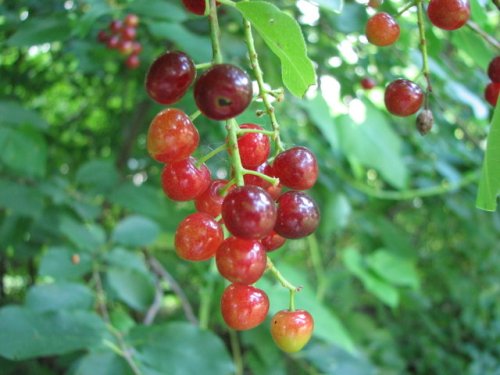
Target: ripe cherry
[494, 70]
[254, 148]
[113, 41]
[298, 215]
[169, 77]
[102, 36]
[491, 93]
[448, 14]
[115, 26]
[292, 330]
[210, 201]
[136, 47]
[249, 212]
[195, 6]
[403, 97]
[131, 20]
[198, 237]
[243, 306]
[382, 29]
[223, 92]
[125, 47]
[241, 261]
[272, 241]
[296, 168]
[273, 190]
[368, 83]
[171, 136]
[133, 61]
[375, 3]
[182, 181]
[128, 33]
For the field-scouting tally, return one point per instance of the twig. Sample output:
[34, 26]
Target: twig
[483, 34]
[155, 306]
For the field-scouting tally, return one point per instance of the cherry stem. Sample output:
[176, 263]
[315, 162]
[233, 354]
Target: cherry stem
[254, 62]
[233, 151]
[210, 155]
[265, 132]
[215, 33]
[423, 49]
[227, 2]
[236, 350]
[224, 190]
[203, 65]
[284, 282]
[272, 180]
[406, 7]
[483, 34]
[194, 115]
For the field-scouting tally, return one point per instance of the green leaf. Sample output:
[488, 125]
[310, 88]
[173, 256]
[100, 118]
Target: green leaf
[107, 363]
[60, 296]
[56, 263]
[489, 186]
[331, 5]
[468, 42]
[40, 30]
[175, 348]
[122, 258]
[25, 333]
[132, 287]
[99, 175]
[393, 268]
[88, 237]
[13, 113]
[23, 200]
[319, 112]
[283, 36]
[135, 231]
[159, 9]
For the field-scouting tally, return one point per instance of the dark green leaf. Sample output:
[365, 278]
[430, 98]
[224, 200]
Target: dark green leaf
[132, 287]
[107, 363]
[99, 175]
[23, 200]
[159, 9]
[135, 231]
[393, 268]
[40, 30]
[59, 296]
[56, 263]
[84, 236]
[14, 113]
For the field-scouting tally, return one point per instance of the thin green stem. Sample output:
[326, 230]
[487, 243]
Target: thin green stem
[233, 151]
[423, 49]
[210, 155]
[215, 33]
[254, 62]
[227, 2]
[203, 65]
[406, 7]
[236, 350]
[265, 132]
[225, 189]
[277, 274]
[272, 180]
[318, 266]
[195, 115]
[483, 34]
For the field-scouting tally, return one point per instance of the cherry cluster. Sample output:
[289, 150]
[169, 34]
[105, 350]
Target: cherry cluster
[122, 37]
[253, 206]
[493, 88]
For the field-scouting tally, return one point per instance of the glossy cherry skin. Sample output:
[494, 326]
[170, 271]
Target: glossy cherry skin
[129, 33]
[223, 91]
[171, 136]
[368, 83]
[403, 97]
[494, 70]
[243, 306]
[115, 26]
[272, 241]
[182, 181]
[273, 190]
[298, 215]
[241, 261]
[292, 330]
[133, 61]
[169, 77]
[448, 14]
[131, 20]
[198, 237]
[382, 30]
[297, 168]
[491, 93]
[210, 201]
[249, 212]
[254, 148]
[195, 6]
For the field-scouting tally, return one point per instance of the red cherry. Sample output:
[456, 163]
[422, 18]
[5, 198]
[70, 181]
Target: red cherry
[448, 14]
[133, 61]
[296, 168]
[494, 70]
[254, 148]
[292, 330]
[136, 47]
[223, 91]
[195, 6]
[241, 261]
[198, 237]
[272, 241]
[115, 26]
[210, 201]
[491, 93]
[403, 97]
[171, 136]
[125, 47]
[243, 306]
[368, 83]
[182, 181]
[169, 77]
[102, 36]
[249, 212]
[382, 29]
[128, 33]
[113, 42]
[131, 20]
[273, 190]
[298, 215]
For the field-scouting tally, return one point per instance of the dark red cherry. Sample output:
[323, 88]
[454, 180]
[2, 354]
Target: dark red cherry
[491, 93]
[254, 148]
[128, 33]
[171, 136]
[448, 14]
[113, 42]
[249, 212]
[382, 30]
[102, 36]
[210, 201]
[131, 20]
[133, 61]
[243, 306]
[169, 77]
[182, 181]
[136, 47]
[267, 169]
[241, 261]
[125, 47]
[298, 215]
[198, 237]
[494, 70]
[296, 168]
[368, 83]
[403, 97]
[195, 6]
[115, 26]
[273, 241]
[223, 91]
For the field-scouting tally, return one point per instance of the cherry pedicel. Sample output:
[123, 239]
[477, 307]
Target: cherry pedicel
[491, 93]
[292, 330]
[198, 237]
[249, 212]
[298, 215]
[223, 91]
[250, 179]
[183, 181]
[448, 14]
[210, 201]
[171, 136]
[243, 306]
[403, 97]
[241, 261]
[382, 30]
[296, 168]
[169, 77]
[254, 148]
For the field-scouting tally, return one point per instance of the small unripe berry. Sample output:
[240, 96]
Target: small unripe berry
[424, 122]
